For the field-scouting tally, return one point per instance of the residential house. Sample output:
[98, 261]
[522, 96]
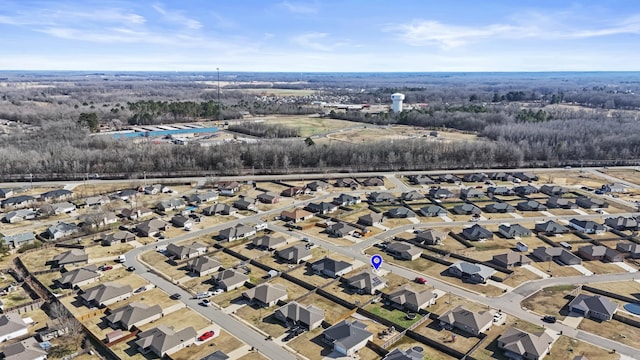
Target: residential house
[553, 190]
[216, 355]
[404, 251]
[347, 200]
[470, 193]
[222, 209]
[409, 354]
[294, 254]
[266, 294]
[12, 326]
[500, 191]
[557, 254]
[449, 178]
[79, 277]
[322, 208]
[98, 219]
[126, 195]
[63, 208]
[18, 201]
[366, 282]
[551, 227]
[518, 344]
[525, 176]
[70, 257]
[381, 197]
[555, 202]
[511, 231]
[171, 205]
[151, 227]
[56, 195]
[293, 191]
[591, 203]
[28, 349]
[268, 242]
[477, 233]
[17, 240]
[134, 314]
[412, 195]
[268, 198]
[441, 193]
[297, 215]
[432, 211]
[373, 181]
[499, 208]
[60, 230]
[407, 298]
[481, 177]
[341, 229]
[164, 340]
[371, 219]
[347, 337]
[105, 294]
[431, 237]
[204, 265]
[230, 279]
[614, 188]
[593, 306]
[181, 221]
[318, 185]
[587, 226]
[600, 252]
[136, 213]
[240, 231]
[629, 247]
[5, 193]
[522, 247]
[466, 209]
[188, 251]
[308, 316]
[511, 259]
[17, 216]
[622, 223]
[98, 200]
[202, 197]
[526, 190]
[401, 212]
[331, 268]
[228, 188]
[531, 205]
[421, 180]
[471, 322]
[346, 182]
[117, 237]
[246, 203]
[501, 176]
[474, 272]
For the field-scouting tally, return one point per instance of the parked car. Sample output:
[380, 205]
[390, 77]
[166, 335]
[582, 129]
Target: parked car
[206, 335]
[175, 296]
[549, 319]
[105, 267]
[205, 302]
[217, 292]
[420, 280]
[131, 268]
[140, 289]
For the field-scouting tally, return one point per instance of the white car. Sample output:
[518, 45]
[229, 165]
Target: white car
[217, 292]
[205, 302]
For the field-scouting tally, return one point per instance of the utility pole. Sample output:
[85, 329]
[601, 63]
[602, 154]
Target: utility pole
[219, 105]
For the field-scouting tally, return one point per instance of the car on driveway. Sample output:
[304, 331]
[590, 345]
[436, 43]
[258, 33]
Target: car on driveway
[175, 296]
[549, 319]
[217, 292]
[206, 335]
[105, 267]
[420, 280]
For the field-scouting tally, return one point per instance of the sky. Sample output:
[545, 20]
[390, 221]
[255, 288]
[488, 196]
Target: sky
[320, 35]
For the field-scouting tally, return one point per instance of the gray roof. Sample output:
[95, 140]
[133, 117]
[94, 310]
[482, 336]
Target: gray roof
[531, 205]
[595, 303]
[514, 230]
[365, 280]
[499, 207]
[10, 323]
[217, 355]
[307, 315]
[240, 230]
[440, 193]
[329, 264]
[477, 232]
[204, 263]
[404, 248]
[412, 195]
[401, 212]
[589, 225]
[551, 227]
[132, 313]
[230, 277]
[463, 318]
[431, 236]
[544, 253]
[17, 239]
[266, 293]
[186, 250]
[163, 338]
[370, 218]
[105, 292]
[341, 228]
[399, 354]
[520, 342]
[347, 334]
[118, 236]
[510, 258]
[79, 275]
[268, 241]
[468, 268]
[431, 210]
[294, 253]
[470, 192]
[466, 209]
[407, 296]
[219, 209]
[71, 256]
[62, 228]
[552, 190]
[24, 350]
[622, 222]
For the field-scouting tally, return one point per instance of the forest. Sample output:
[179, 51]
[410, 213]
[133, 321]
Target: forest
[525, 119]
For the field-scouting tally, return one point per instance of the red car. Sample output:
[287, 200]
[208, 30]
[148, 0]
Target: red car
[420, 280]
[206, 336]
[106, 267]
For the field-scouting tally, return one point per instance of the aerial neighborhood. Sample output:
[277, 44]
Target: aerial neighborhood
[473, 264]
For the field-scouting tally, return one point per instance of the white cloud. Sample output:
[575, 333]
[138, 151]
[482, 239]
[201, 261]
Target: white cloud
[178, 18]
[312, 40]
[299, 8]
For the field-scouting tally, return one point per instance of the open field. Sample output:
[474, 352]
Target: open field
[308, 125]
[398, 132]
[549, 301]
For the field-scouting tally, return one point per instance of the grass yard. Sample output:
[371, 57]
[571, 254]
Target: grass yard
[394, 315]
[227, 297]
[160, 263]
[566, 345]
[224, 342]
[310, 345]
[613, 330]
[627, 288]
[263, 319]
[549, 301]
[333, 312]
[294, 291]
[555, 269]
[179, 320]
[253, 356]
[35, 261]
[432, 330]
[599, 267]
[101, 252]
[15, 298]
[519, 276]
[429, 353]
[342, 291]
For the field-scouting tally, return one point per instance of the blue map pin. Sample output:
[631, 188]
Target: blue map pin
[376, 261]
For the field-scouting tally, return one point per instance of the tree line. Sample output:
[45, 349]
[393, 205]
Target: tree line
[265, 130]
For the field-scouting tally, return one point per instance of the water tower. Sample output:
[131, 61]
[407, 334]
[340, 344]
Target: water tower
[397, 102]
